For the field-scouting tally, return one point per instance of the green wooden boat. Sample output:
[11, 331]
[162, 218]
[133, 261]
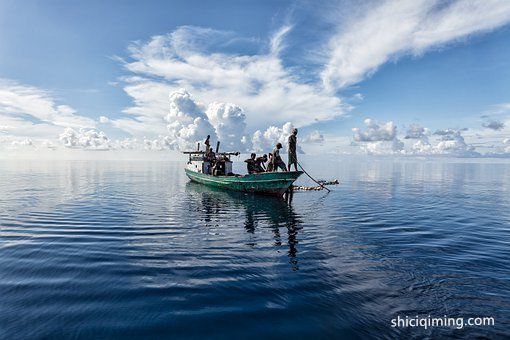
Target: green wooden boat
[199, 170]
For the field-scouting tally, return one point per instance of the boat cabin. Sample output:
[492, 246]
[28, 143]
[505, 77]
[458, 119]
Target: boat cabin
[217, 164]
[201, 164]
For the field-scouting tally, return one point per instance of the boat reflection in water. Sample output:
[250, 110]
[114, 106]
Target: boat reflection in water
[222, 208]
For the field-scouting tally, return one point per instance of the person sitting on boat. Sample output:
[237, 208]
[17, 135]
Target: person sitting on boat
[218, 167]
[277, 160]
[250, 164]
[292, 149]
[260, 163]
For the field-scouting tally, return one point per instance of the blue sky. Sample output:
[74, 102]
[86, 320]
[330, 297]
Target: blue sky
[67, 46]
[355, 76]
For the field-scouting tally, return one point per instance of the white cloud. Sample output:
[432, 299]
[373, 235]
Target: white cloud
[452, 143]
[207, 63]
[378, 139]
[187, 122]
[35, 105]
[104, 120]
[383, 139]
[89, 139]
[26, 142]
[30, 117]
[375, 132]
[265, 141]
[416, 131]
[314, 137]
[386, 30]
[229, 122]
[422, 147]
[382, 147]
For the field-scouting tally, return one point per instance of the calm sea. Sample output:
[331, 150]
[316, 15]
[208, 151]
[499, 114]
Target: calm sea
[134, 250]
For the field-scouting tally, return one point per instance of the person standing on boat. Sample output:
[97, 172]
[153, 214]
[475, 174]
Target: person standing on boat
[250, 164]
[270, 163]
[207, 144]
[292, 149]
[277, 160]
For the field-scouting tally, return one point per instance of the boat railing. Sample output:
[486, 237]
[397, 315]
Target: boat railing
[236, 153]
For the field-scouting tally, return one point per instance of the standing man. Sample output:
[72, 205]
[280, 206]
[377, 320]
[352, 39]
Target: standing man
[292, 149]
[277, 160]
[270, 163]
[207, 144]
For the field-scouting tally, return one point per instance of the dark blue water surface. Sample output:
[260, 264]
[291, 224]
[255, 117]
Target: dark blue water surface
[132, 249]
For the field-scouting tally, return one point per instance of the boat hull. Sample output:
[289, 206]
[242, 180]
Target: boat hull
[267, 183]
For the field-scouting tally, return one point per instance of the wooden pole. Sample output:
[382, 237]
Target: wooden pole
[217, 146]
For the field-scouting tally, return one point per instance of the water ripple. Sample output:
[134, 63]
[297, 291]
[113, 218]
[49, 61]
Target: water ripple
[134, 249]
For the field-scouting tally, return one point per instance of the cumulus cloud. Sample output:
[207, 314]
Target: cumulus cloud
[229, 122]
[187, 122]
[104, 120]
[453, 143]
[381, 147]
[378, 138]
[11, 143]
[88, 139]
[264, 141]
[422, 147]
[493, 125]
[23, 143]
[383, 139]
[314, 137]
[375, 132]
[386, 30]
[416, 131]
[448, 142]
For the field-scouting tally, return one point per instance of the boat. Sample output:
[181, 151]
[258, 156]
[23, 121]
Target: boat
[199, 169]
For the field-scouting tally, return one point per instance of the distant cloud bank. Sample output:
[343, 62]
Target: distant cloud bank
[383, 139]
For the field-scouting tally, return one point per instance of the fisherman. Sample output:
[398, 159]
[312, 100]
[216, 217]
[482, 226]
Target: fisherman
[260, 163]
[292, 149]
[250, 163]
[209, 156]
[270, 163]
[207, 144]
[277, 160]
[218, 168]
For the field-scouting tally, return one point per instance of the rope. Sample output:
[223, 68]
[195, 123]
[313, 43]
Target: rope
[313, 179]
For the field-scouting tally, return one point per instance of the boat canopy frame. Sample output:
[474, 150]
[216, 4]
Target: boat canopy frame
[200, 154]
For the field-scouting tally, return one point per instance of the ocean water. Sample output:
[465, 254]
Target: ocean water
[134, 250]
